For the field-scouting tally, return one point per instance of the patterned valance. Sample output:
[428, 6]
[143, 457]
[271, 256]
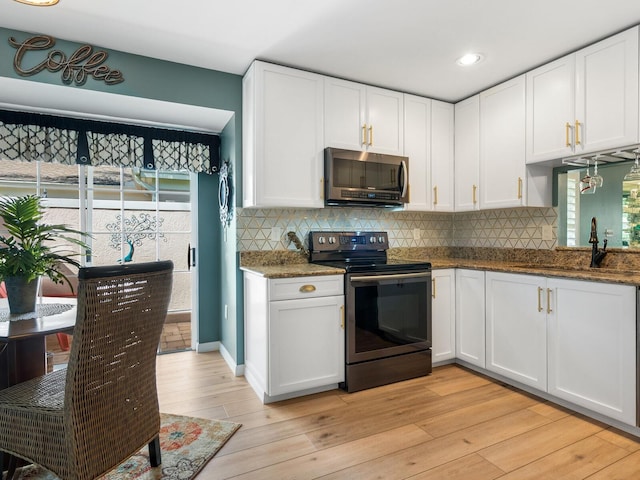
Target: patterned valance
[115, 149]
[29, 137]
[33, 142]
[180, 155]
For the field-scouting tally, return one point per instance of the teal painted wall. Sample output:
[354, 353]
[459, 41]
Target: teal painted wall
[161, 80]
[231, 290]
[144, 77]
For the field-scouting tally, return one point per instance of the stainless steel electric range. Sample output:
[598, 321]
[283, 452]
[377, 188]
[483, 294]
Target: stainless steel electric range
[388, 308]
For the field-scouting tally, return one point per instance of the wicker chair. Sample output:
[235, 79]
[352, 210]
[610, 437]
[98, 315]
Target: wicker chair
[83, 421]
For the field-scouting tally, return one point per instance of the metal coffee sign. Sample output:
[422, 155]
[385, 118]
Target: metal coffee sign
[75, 68]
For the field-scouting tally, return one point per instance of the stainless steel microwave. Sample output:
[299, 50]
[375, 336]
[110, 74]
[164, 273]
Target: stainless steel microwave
[355, 178]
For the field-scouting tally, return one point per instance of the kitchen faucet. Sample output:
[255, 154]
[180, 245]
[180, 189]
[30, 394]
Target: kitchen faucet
[596, 255]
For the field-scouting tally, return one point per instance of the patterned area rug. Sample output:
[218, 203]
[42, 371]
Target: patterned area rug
[187, 444]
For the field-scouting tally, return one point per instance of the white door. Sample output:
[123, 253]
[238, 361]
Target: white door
[517, 327]
[443, 308]
[344, 121]
[385, 121]
[442, 145]
[470, 316]
[467, 154]
[607, 93]
[502, 145]
[550, 110]
[592, 346]
[306, 344]
[283, 147]
[417, 147]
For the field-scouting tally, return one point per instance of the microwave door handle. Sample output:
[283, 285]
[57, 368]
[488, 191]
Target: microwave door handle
[405, 180]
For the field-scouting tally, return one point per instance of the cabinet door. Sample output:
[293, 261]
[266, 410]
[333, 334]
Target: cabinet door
[550, 110]
[283, 137]
[516, 327]
[467, 154]
[345, 114]
[607, 93]
[470, 313]
[306, 344]
[502, 145]
[443, 315]
[442, 156]
[592, 346]
[385, 121]
[417, 146]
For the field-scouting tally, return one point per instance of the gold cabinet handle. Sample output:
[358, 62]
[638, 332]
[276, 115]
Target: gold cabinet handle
[519, 188]
[307, 288]
[549, 309]
[567, 127]
[577, 132]
[342, 317]
[540, 289]
[364, 134]
[370, 135]
[435, 195]
[475, 189]
[433, 287]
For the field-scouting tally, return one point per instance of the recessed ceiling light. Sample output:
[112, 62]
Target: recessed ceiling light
[38, 3]
[469, 59]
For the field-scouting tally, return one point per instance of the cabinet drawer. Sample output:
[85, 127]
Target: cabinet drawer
[305, 287]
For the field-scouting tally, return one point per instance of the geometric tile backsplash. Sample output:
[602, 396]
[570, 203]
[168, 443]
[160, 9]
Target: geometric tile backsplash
[258, 229]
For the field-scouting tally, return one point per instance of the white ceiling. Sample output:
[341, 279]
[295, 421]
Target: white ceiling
[408, 45]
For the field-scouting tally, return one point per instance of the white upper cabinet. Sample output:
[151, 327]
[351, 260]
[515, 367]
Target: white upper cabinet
[467, 154]
[442, 147]
[282, 137]
[502, 145]
[361, 117]
[584, 102]
[417, 147]
[428, 143]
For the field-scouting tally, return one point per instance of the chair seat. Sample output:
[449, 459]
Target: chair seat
[31, 419]
[44, 393]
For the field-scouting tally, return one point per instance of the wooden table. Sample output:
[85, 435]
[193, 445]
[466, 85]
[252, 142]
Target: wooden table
[22, 337]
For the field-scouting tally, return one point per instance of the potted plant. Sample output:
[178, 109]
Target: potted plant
[30, 249]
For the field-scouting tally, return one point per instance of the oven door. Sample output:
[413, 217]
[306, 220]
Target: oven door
[387, 314]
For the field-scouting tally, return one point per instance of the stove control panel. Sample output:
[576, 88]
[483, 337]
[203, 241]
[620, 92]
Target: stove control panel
[348, 241]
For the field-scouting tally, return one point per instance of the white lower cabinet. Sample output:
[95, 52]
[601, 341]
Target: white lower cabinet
[294, 334]
[443, 303]
[592, 346]
[575, 340]
[470, 313]
[517, 328]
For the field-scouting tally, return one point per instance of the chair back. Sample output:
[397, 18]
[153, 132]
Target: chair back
[111, 401]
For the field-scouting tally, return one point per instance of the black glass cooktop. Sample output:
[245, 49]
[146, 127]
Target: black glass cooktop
[379, 265]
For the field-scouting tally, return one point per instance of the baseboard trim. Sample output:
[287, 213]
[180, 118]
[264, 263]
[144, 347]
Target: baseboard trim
[238, 370]
[207, 347]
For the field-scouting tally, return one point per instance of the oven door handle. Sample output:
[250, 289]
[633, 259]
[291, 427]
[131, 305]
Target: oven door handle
[398, 276]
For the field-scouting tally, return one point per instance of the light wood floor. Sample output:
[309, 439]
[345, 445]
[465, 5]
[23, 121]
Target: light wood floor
[453, 424]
